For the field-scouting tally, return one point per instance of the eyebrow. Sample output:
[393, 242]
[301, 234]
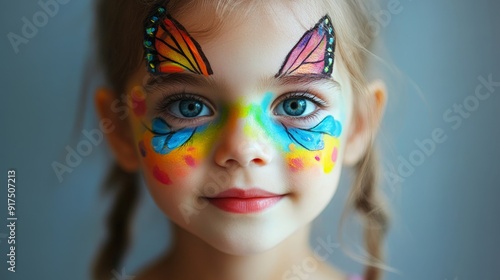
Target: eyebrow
[181, 79]
[176, 79]
[306, 79]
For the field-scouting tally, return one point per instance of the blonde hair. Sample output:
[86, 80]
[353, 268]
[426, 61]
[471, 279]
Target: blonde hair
[120, 37]
[351, 20]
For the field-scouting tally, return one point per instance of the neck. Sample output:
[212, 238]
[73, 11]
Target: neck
[192, 258]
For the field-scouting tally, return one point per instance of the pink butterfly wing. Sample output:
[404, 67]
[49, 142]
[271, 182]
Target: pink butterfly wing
[313, 54]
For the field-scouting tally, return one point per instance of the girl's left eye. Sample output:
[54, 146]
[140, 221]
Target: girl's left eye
[295, 107]
[189, 108]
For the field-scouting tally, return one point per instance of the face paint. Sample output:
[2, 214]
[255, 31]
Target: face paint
[314, 53]
[312, 138]
[138, 101]
[168, 154]
[171, 163]
[172, 153]
[299, 158]
[161, 176]
[138, 107]
[190, 160]
[303, 148]
[165, 139]
[169, 47]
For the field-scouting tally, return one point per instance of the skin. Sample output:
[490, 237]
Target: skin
[238, 148]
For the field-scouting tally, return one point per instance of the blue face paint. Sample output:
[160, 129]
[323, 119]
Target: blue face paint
[312, 138]
[166, 140]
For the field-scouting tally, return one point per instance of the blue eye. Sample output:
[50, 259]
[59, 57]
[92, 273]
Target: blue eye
[189, 108]
[295, 107]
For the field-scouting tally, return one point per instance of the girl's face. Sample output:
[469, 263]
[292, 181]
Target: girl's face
[248, 151]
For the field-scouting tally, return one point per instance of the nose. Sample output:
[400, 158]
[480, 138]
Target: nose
[242, 142]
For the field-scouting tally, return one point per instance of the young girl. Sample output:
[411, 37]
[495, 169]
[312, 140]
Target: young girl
[241, 115]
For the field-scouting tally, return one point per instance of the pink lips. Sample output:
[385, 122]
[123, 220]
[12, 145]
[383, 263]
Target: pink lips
[244, 201]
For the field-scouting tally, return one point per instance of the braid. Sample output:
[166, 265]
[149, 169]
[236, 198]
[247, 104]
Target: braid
[367, 200]
[118, 222]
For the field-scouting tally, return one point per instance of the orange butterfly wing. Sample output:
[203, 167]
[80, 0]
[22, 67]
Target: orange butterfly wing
[170, 48]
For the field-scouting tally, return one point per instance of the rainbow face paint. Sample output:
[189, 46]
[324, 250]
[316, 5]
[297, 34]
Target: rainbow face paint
[166, 151]
[170, 49]
[314, 53]
[166, 162]
[302, 147]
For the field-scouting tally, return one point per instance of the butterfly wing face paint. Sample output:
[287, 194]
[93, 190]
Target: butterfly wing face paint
[312, 138]
[314, 53]
[165, 139]
[169, 47]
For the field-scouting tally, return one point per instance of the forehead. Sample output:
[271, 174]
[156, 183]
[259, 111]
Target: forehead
[250, 45]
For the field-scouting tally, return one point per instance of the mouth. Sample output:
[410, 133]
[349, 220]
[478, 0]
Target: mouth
[242, 201]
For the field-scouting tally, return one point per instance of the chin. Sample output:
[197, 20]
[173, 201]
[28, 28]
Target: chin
[246, 243]
[246, 236]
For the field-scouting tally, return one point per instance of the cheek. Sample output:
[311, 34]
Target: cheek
[165, 169]
[300, 159]
[177, 165]
[138, 102]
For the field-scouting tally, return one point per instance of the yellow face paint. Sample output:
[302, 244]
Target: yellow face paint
[303, 148]
[181, 158]
[166, 151]
[300, 158]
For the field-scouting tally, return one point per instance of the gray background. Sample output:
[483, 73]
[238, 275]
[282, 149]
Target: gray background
[445, 213]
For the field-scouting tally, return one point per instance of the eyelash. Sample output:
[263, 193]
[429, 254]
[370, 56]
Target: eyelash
[311, 97]
[162, 107]
[163, 112]
[308, 118]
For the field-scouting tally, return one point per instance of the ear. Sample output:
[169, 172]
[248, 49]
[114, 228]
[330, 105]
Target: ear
[120, 138]
[365, 122]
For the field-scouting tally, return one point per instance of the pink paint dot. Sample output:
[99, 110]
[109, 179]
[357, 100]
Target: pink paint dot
[317, 158]
[190, 161]
[138, 105]
[296, 164]
[161, 176]
[334, 154]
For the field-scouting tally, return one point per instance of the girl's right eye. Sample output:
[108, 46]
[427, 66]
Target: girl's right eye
[183, 110]
[189, 108]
